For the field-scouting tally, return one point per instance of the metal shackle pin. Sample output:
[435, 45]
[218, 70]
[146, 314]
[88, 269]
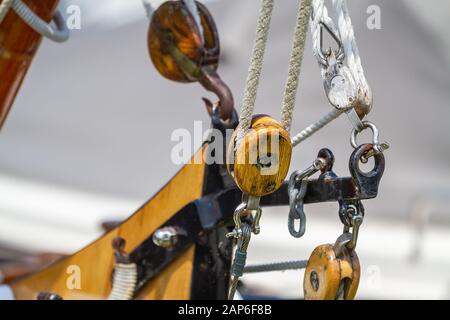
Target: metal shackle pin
[377, 146]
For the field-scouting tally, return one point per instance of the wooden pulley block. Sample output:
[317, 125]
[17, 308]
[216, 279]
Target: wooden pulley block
[332, 273]
[176, 45]
[260, 162]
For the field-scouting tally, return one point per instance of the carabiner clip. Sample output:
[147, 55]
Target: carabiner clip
[323, 56]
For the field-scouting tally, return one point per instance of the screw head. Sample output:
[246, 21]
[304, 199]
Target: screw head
[165, 237]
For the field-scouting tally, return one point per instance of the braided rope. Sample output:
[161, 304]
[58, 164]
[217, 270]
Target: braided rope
[295, 64]
[316, 126]
[277, 266]
[192, 7]
[319, 15]
[316, 17]
[149, 10]
[254, 71]
[60, 34]
[124, 281]
[347, 35]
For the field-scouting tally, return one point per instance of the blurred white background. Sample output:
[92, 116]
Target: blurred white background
[88, 138]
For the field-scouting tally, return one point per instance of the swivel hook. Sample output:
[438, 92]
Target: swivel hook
[323, 55]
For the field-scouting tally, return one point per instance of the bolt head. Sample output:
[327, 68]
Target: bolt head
[165, 237]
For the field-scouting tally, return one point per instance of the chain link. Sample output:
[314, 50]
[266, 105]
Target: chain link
[297, 187]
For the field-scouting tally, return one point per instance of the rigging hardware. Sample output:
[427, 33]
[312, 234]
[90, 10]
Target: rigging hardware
[125, 273]
[181, 52]
[333, 272]
[298, 184]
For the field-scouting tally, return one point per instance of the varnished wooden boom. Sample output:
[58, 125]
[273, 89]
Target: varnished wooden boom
[18, 46]
[96, 261]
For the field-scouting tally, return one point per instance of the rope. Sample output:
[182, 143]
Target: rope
[277, 266]
[192, 7]
[319, 15]
[124, 282]
[298, 48]
[347, 35]
[316, 126]
[149, 10]
[4, 8]
[351, 53]
[60, 34]
[254, 71]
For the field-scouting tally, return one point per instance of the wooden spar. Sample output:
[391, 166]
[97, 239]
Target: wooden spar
[96, 261]
[18, 46]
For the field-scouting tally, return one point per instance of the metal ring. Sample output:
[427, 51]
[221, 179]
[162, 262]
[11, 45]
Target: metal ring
[371, 126]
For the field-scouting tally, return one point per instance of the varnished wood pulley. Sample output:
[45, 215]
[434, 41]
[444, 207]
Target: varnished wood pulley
[260, 162]
[177, 47]
[331, 274]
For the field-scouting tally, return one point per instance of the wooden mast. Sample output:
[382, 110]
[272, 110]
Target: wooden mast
[18, 46]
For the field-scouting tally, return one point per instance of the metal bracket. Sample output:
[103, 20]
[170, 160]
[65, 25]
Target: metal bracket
[213, 210]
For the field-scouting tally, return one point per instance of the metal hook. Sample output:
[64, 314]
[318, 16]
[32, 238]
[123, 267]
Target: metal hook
[324, 55]
[216, 120]
[211, 81]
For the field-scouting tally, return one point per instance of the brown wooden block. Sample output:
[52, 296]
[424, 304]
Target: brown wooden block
[260, 163]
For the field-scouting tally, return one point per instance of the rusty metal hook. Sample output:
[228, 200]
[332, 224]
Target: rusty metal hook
[211, 81]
